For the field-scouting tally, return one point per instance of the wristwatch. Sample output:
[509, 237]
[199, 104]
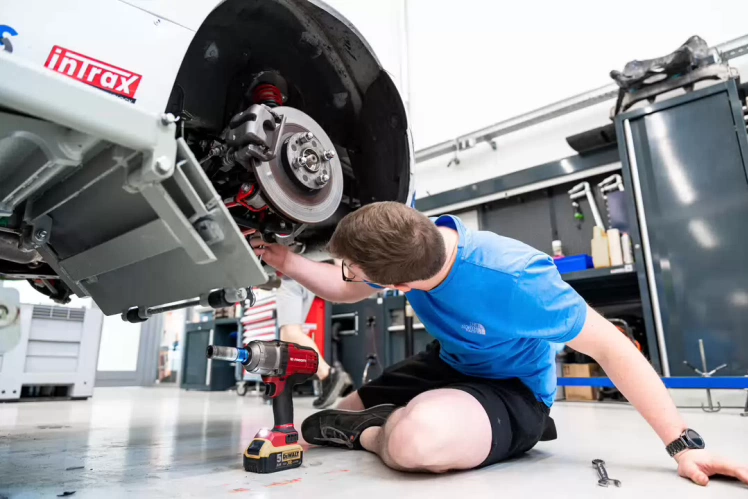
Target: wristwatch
[689, 439]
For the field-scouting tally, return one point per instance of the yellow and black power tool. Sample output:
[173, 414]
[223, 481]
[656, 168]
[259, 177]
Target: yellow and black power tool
[281, 365]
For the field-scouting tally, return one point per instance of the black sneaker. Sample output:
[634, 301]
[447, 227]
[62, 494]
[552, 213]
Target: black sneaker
[332, 387]
[343, 428]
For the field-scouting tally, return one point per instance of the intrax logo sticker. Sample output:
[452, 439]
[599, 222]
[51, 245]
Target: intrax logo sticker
[103, 76]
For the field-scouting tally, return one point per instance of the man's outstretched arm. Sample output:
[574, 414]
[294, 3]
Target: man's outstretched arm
[632, 374]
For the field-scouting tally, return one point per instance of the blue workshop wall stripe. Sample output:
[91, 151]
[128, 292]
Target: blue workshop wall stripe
[721, 383]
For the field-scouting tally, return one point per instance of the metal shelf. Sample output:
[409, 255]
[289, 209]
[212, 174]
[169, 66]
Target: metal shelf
[676, 382]
[223, 321]
[401, 327]
[598, 273]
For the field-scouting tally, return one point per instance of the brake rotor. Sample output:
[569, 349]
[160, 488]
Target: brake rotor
[307, 190]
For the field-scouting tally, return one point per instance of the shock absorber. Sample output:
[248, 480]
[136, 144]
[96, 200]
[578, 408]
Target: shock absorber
[268, 88]
[267, 94]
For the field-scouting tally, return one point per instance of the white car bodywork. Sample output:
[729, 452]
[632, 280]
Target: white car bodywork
[111, 31]
[196, 59]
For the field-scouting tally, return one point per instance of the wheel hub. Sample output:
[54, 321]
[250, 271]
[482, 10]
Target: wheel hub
[308, 159]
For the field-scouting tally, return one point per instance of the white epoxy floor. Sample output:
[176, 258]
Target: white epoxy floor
[163, 442]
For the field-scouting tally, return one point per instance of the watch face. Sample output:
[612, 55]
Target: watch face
[695, 439]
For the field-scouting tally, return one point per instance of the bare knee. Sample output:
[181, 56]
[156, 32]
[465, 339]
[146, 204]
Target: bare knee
[417, 439]
[436, 433]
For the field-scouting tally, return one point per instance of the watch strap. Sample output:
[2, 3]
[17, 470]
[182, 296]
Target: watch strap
[676, 446]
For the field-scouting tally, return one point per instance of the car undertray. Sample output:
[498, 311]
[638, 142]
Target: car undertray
[127, 226]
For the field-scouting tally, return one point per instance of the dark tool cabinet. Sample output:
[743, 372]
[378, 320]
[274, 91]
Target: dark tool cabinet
[685, 159]
[684, 165]
[357, 332]
[199, 372]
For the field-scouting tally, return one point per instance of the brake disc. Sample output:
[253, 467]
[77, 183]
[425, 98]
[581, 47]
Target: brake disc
[304, 179]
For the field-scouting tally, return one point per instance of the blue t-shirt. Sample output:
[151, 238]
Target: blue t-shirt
[499, 309]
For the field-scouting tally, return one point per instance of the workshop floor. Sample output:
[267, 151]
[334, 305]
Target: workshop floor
[162, 442]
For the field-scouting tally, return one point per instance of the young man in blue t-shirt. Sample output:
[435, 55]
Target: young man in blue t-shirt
[483, 391]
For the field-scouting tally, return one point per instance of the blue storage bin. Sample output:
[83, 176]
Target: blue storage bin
[574, 263]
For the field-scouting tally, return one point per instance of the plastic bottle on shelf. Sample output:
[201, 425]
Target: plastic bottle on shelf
[626, 249]
[558, 249]
[614, 247]
[600, 251]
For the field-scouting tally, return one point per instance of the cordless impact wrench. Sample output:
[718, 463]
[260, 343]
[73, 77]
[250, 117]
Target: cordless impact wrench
[281, 365]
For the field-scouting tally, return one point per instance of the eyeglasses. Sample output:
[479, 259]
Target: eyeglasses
[348, 275]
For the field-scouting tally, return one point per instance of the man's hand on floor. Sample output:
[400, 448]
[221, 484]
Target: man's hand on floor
[699, 465]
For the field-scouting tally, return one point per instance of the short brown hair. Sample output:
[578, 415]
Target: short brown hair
[392, 243]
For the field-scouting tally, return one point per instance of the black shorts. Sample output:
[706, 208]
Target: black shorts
[503, 400]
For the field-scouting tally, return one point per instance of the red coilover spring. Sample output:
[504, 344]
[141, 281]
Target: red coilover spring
[267, 94]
